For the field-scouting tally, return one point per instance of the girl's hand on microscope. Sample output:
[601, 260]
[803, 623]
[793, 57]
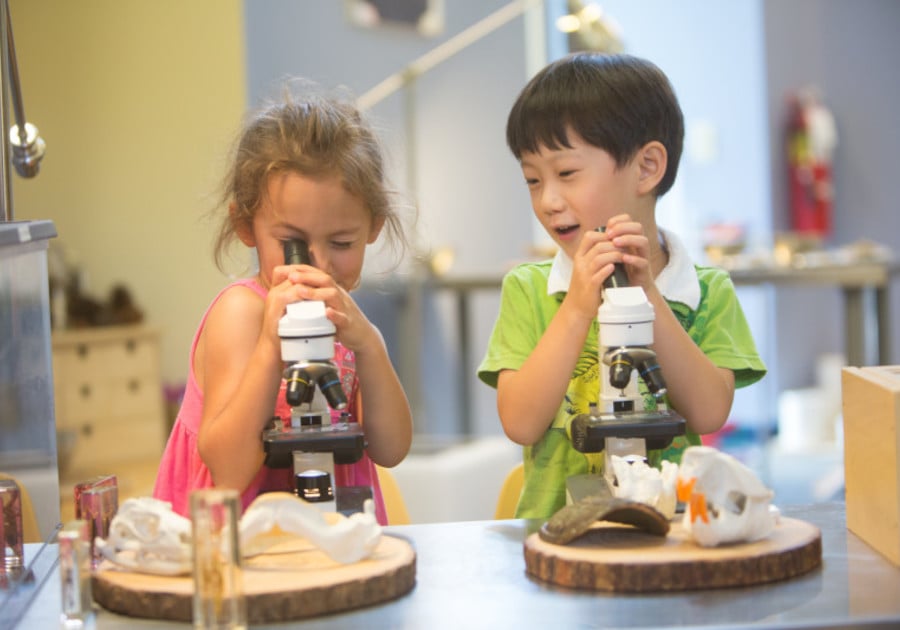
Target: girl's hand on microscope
[283, 291]
[354, 330]
[628, 237]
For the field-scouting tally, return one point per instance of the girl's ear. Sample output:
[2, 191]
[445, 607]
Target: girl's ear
[652, 160]
[375, 229]
[242, 227]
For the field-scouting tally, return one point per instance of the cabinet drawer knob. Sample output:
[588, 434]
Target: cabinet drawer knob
[85, 391]
[134, 385]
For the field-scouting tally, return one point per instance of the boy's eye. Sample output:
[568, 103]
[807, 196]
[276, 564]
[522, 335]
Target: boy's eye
[531, 181]
[342, 244]
[566, 173]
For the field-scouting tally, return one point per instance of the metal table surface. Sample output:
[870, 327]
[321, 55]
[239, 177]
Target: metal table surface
[472, 575]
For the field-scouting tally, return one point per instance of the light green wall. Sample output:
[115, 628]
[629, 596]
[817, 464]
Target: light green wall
[138, 102]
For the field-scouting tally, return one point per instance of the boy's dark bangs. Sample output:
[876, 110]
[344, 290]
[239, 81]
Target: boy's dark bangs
[530, 130]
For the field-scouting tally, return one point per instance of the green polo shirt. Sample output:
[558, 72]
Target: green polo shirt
[717, 326]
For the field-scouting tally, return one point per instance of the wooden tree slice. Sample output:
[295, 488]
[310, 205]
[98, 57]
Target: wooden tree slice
[613, 557]
[294, 581]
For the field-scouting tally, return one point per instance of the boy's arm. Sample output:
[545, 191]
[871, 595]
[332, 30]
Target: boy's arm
[528, 398]
[698, 389]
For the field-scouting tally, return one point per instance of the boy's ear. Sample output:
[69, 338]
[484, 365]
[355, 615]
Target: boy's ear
[242, 227]
[652, 160]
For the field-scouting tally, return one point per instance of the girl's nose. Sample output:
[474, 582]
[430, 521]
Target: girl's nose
[317, 257]
[314, 257]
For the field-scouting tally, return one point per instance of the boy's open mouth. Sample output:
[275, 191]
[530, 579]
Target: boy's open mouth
[566, 229]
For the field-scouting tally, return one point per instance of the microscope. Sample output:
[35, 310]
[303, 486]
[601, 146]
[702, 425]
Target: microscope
[619, 424]
[312, 444]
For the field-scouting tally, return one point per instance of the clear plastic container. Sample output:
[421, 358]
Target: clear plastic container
[27, 416]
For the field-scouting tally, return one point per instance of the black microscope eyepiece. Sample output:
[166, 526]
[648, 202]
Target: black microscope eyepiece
[619, 277]
[296, 252]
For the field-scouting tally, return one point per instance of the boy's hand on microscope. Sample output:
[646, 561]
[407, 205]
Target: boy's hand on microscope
[591, 265]
[627, 236]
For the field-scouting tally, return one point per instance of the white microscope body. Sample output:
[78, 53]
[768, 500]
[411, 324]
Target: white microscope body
[620, 424]
[312, 444]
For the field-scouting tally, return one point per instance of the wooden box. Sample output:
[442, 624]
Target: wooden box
[871, 406]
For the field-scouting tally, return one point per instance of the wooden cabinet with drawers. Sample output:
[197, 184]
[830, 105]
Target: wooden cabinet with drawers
[108, 393]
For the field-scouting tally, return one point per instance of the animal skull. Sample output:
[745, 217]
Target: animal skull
[725, 500]
[146, 536]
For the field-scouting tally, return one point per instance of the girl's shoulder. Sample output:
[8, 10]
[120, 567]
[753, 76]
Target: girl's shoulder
[239, 293]
[247, 283]
[238, 304]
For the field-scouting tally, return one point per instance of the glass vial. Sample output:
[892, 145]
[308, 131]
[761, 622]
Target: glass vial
[99, 505]
[75, 575]
[218, 581]
[13, 541]
[93, 482]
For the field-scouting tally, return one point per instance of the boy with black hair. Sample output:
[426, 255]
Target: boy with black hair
[599, 138]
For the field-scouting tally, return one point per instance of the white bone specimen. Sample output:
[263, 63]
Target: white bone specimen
[276, 516]
[637, 481]
[725, 500]
[147, 536]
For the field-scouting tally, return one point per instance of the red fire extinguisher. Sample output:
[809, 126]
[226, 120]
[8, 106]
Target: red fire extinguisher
[811, 141]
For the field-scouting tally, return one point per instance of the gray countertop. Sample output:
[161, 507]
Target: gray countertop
[472, 575]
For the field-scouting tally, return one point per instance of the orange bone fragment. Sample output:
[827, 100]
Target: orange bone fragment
[684, 489]
[698, 508]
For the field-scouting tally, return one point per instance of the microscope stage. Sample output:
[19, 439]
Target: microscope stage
[658, 428]
[346, 440]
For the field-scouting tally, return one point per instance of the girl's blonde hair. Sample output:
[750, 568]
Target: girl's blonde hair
[315, 135]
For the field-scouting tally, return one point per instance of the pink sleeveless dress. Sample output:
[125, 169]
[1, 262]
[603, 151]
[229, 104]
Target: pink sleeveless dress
[181, 469]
